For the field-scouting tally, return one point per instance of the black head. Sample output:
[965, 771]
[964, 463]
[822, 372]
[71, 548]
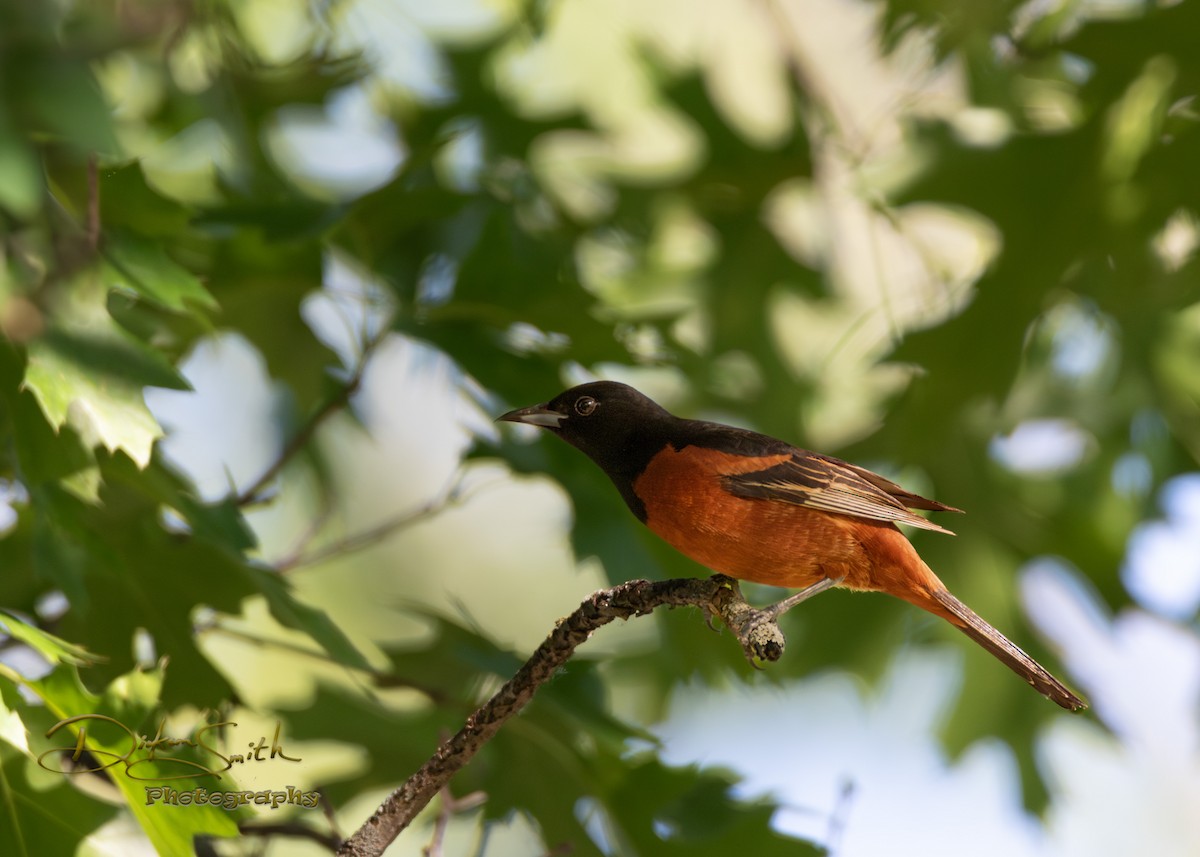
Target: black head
[614, 424]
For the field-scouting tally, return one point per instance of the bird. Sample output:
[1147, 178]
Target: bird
[756, 508]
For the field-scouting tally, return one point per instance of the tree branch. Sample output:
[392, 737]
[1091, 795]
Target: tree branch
[756, 631]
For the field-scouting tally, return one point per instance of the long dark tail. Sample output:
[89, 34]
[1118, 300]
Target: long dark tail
[1008, 652]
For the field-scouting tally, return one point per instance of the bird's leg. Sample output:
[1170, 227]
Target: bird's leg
[757, 630]
[776, 610]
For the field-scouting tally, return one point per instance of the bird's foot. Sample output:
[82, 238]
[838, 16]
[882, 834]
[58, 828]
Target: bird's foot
[758, 630]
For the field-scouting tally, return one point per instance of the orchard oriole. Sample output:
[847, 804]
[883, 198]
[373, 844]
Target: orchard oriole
[756, 508]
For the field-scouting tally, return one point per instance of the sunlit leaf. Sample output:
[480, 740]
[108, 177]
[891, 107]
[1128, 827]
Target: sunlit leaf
[144, 268]
[103, 410]
[52, 648]
[130, 703]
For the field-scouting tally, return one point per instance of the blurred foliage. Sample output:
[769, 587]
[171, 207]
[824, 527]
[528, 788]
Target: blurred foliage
[115, 261]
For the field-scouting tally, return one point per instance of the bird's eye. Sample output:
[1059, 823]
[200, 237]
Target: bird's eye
[585, 406]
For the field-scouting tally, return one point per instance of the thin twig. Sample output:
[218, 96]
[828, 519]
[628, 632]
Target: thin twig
[450, 806]
[329, 811]
[386, 680]
[434, 848]
[93, 203]
[311, 530]
[562, 849]
[837, 818]
[290, 828]
[301, 439]
[756, 631]
[450, 496]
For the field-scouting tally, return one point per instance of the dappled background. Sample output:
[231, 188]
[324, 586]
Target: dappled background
[270, 268]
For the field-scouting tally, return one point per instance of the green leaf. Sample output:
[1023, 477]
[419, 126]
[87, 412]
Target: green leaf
[513, 279]
[127, 202]
[262, 286]
[88, 372]
[21, 186]
[132, 701]
[666, 811]
[58, 96]
[52, 648]
[954, 26]
[103, 410]
[293, 613]
[448, 663]
[220, 524]
[35, 820]
[396, 742]
[139, 576]
[44, 452]
[1120, 48]
[144, 268]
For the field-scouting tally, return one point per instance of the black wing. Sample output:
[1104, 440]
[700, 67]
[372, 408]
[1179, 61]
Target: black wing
[830, 485]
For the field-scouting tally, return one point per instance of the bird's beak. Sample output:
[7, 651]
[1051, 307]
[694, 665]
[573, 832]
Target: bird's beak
[538, 415]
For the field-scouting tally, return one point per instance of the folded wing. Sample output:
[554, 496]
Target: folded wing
[831, 485]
